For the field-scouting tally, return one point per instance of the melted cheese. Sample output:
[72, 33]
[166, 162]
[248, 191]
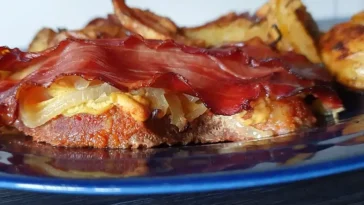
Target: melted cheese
[260, 113]
[137, 106]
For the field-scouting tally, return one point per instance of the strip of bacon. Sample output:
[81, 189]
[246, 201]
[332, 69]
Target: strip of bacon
[226, 79]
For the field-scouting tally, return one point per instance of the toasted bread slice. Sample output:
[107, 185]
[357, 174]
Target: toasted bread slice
[117, 128]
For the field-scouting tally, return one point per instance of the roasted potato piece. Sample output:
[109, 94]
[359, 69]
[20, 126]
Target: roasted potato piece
[293, 25]
[263, 11]
[148, 24]
[358, 18]
[342, 50]
[42, 40]
[97, 29]
[145, 23]
[283, 23]
[227, 29]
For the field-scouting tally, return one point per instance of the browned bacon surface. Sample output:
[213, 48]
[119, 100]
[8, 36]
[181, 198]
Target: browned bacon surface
[226, 79]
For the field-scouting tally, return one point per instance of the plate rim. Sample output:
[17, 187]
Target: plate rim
[180, 184]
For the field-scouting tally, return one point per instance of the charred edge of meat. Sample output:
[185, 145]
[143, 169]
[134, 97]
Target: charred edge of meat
[277, 40]
[154, 114]
[59, 30]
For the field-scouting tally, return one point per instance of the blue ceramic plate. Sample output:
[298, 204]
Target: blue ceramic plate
[332, 148]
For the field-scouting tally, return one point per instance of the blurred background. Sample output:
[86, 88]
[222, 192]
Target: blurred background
[21, 19]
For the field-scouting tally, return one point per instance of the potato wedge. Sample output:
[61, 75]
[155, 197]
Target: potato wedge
[342, 50]
[358, 18]
[285, 20]
[145, 22]
[149, 25]
[97, 29]
[297, 29]
[42, 40]
[263, 11]
[228, 29]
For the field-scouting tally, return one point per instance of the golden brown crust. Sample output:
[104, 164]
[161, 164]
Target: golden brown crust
[96, 29]
[148, 24]
[42, 40]
[117, 129]
[283, 23]
[342, 50]
[358, 18]
[288, 115]
[229, 28]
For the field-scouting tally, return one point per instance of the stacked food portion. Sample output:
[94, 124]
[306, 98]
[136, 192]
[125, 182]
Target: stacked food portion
[135, 79]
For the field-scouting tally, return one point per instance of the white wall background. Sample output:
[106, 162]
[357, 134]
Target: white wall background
[21, 19]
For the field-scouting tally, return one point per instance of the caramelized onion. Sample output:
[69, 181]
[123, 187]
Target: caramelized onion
[33, 115]
[191, 98]
[81, 84]
[195, 111]
[72, 95]
[158, 100]
[177, 115]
